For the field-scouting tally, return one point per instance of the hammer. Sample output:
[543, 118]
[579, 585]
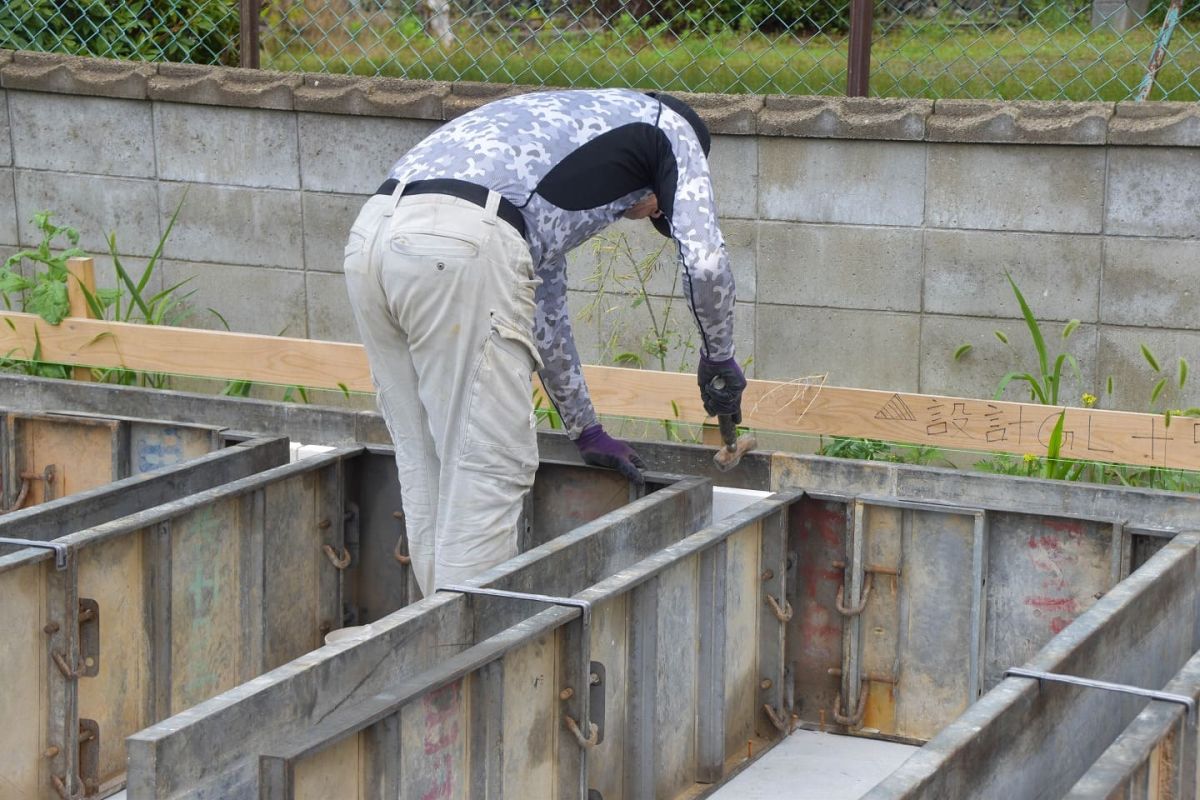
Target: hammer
[735, 446]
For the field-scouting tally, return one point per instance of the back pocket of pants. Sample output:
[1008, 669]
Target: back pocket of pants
[416, 243]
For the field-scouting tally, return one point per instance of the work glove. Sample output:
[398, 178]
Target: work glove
[721, 387]
[601, 450]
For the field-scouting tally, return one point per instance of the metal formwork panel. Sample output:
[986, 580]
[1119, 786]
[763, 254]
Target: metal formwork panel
[425, 710]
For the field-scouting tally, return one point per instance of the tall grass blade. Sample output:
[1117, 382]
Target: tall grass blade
[1035, 330]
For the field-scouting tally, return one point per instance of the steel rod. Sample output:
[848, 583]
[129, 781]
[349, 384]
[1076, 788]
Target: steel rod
[1153, 694]
[60, 550]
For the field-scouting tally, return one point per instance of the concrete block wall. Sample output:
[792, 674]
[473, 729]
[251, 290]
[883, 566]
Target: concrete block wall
[869, 237]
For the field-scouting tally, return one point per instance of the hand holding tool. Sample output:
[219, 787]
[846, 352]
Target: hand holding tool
[734, 446]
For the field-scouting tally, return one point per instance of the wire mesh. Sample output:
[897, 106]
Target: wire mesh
[985, 49]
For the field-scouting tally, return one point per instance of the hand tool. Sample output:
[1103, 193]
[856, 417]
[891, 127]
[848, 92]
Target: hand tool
[734, 446]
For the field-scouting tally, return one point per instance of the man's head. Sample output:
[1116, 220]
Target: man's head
[657, 219]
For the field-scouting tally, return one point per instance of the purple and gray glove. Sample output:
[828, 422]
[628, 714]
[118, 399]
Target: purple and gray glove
[601, 450]
[721, 386]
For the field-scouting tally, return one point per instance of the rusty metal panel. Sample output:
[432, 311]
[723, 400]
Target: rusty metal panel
[743, 604]
[817, 538]
[610, 646]
[333, 772]
[1043, 572]
[111, 574]
[23, 701]
[293, 563]
[153, 445]
[564, 497]
[82, 454]
[675, 700]
[935, 623]
[206, 574]
[881, 624]
[433, 746]
[531, 722]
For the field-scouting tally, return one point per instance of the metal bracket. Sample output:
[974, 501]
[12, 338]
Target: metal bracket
[573, 602]
[60, 550]
[89, 638]
[1153, 694]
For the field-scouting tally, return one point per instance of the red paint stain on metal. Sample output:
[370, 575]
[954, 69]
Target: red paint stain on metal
[1071, 527]
[1058, 623]
[813, 574]
[441, 713]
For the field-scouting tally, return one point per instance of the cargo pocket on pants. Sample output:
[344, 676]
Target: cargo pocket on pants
[501, 431]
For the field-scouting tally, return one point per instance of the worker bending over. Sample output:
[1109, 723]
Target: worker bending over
[456, 271]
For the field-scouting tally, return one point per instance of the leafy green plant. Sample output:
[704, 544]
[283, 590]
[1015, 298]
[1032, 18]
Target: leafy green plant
[876, 450]
[623, 280]
[45, 291]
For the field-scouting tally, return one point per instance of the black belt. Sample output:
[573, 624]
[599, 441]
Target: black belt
[471, 192]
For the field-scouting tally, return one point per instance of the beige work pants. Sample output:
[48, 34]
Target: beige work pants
[443, 294]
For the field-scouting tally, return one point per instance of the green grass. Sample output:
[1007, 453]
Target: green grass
[932, 59]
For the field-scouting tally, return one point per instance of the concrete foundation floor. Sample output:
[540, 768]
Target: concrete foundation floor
[816, 766]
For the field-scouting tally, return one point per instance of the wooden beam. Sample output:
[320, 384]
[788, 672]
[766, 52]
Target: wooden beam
[83, 276]
[928, 420]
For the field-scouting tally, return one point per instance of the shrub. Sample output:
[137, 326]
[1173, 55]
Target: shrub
[192, 31]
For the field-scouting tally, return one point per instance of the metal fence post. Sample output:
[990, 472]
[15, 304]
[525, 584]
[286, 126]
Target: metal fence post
[248, 33]
[858, 61]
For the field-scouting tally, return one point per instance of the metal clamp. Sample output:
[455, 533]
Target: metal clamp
[60, 550]
[26, 479]
[854, 611]
[340, 561]
[1153, 694]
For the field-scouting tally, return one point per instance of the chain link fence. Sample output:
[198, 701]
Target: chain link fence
[986, 49]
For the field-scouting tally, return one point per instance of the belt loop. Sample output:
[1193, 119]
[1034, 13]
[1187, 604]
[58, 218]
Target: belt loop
[397, 193]
[493, 204]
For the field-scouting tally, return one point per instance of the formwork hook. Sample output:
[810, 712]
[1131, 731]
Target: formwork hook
[783, 614]
[853, 611]
[340, 561]
[61, 663]
[593, 737]
[860, 712]
[61, 787]
[401, 557]
[776, 720]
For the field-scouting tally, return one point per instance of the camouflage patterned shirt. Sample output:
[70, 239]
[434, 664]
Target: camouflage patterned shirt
[573, 162]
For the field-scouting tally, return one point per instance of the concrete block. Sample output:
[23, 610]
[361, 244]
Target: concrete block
[1153, 192]
[226, 225]
[1028, 187]
[6, 56]
[8, 209]
[97, 135]
[251, 299]
[1134, 379]
[244, 147]
[864, 349]
[840, 266]
[353, 155]
[734, 165]
[845, 117]
[327, 221]
[978, 373]
[221, 86]
[585, 326]
[6, 152]
[867, 183]
[1155, 123]
[95, 206]
[1058, 275]
[620, 248]
[329, 314]
[726, 113]
[628, 334]
[95, 77]
[467, 96]
[1151, 283]
[380, 97]
[1019, 122]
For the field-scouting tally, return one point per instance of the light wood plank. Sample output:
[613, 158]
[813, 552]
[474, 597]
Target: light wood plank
[83, 270]
[935, 420]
